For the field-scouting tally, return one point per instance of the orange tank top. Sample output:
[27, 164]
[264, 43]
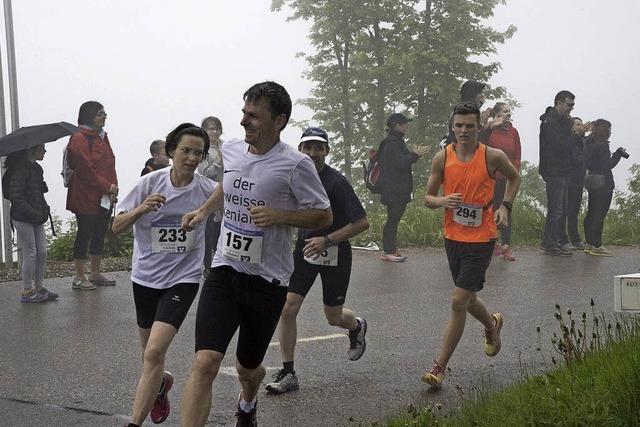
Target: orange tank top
[472, 221]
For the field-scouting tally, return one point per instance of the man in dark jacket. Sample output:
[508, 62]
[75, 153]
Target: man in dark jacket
[572, 240]
[398, 181]
[555, 155]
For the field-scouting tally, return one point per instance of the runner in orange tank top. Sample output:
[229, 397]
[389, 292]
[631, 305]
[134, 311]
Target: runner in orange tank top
[465, 170]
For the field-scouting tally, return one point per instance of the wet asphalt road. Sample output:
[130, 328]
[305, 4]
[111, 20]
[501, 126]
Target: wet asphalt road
[76, 361]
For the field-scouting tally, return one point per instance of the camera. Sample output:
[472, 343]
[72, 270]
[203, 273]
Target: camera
[623, 153]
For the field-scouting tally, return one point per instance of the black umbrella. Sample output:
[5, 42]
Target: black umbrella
[30, 136]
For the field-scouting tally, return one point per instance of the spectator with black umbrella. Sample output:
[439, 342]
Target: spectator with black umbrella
[23, 185]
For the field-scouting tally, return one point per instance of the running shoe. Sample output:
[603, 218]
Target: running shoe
[246, 419]
[161, 407]
[599, 251]
[497, 250]
[435, 376]
[100, 280]
[284, 381]
[579, 246]
[51, 296]
[393, 257]
[31, 296]
[83, 285]
[492, 336]
[567, 247]
[357, 342]
[555, 251]
[507, 254]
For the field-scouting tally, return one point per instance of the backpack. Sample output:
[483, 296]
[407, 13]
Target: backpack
[66, 172]
[372, 171]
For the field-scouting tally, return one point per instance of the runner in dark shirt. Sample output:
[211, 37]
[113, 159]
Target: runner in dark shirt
[326, 252]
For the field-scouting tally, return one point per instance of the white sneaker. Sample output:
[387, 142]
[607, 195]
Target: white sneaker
[393, 257]
[83, 285]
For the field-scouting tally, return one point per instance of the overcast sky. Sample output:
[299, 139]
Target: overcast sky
[154, 64]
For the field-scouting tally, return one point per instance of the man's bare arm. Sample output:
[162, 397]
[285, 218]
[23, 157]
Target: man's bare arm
[431, 198]
[264, 216]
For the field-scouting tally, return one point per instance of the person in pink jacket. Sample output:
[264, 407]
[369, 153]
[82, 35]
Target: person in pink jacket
[504, 136]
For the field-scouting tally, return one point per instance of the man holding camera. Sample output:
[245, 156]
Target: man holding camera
[599, 182]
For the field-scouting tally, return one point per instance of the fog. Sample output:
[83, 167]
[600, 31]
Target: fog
[154, 64]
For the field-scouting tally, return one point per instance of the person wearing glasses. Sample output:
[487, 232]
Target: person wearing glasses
[211, 167]
[555, 156]
[92, 191]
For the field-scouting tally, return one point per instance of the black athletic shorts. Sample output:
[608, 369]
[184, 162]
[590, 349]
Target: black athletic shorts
[468, 262]
[163, 305]
[230, 300]
[335, 279]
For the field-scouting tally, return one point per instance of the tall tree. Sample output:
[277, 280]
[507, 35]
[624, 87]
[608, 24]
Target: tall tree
[373, 57]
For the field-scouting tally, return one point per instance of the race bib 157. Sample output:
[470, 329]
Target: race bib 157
[239, 244]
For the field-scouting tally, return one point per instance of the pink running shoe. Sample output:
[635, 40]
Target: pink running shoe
[507, 254]
[161, 407]
[497, 249]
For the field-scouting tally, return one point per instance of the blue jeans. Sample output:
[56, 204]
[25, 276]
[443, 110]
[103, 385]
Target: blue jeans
[557, 191]
[574, 202]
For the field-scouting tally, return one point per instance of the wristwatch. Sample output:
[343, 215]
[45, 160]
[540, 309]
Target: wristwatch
[507, 205]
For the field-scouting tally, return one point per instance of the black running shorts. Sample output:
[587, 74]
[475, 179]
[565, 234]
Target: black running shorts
[335, 279]
[169, 305]
[230, 300]
[469, 262]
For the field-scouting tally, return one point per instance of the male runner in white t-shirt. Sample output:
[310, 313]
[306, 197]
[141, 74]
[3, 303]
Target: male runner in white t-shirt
[268, 187]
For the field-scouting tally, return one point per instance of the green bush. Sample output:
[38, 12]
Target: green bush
[622, 224]
[60, 248]
[421, 226]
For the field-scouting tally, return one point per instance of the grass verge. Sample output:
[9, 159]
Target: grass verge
[600, 389]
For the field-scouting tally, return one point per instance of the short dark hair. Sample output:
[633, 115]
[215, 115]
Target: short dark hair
[154, 148]
[276, 96]
[601, 124]
[185, 129]
[88, 112]
[211, 120]
[573, 120]
[465, 108]
[470, 89]
[562, 96]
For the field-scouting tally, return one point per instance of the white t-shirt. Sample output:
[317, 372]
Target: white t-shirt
[282, 179]
[164, 255]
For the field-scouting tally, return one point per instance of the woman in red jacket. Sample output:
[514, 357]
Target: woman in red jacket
[93, 189]
[506, 138]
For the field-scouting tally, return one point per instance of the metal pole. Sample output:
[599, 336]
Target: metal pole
[6, 219]
[13, 88]
[11, 62]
